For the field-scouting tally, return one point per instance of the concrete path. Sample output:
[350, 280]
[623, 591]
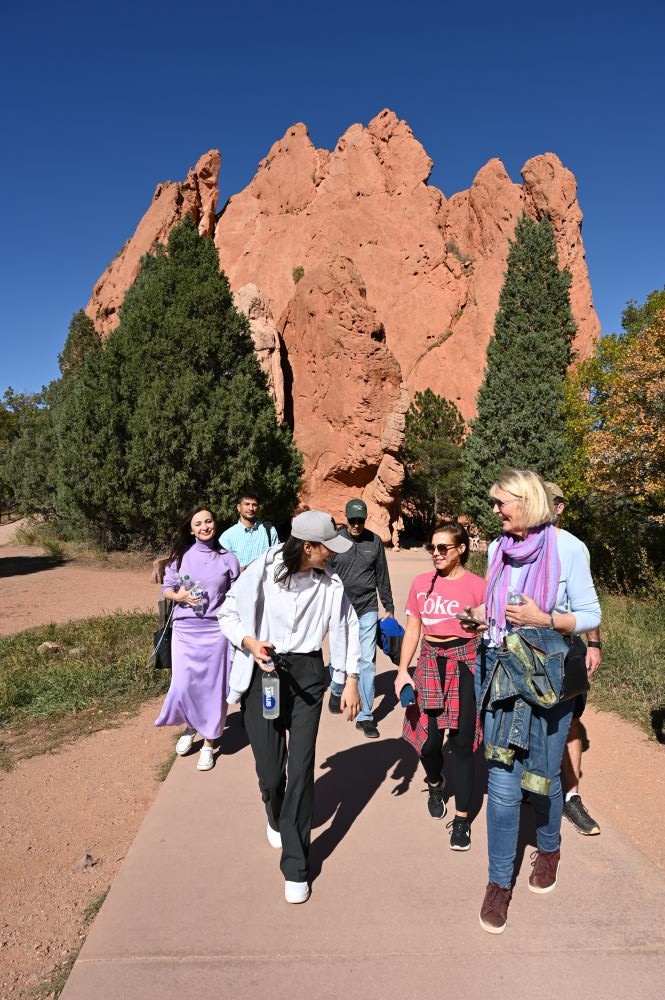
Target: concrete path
[198, 909]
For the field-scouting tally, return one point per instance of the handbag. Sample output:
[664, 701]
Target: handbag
[161, 654]
[575, 677]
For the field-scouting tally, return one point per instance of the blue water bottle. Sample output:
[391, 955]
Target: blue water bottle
[407, 696]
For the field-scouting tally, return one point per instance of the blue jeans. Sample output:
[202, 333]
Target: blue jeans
[368, 622]
[504, 797]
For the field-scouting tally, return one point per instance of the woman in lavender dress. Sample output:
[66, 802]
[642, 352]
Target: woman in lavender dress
[200, 653]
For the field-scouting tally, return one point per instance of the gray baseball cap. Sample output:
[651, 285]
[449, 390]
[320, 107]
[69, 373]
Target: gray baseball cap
[317, 526]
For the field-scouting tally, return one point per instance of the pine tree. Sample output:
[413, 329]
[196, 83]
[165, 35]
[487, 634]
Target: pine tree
[520, 405]
[175, 409]
[82, 342]
[27, 470]
[432, 454]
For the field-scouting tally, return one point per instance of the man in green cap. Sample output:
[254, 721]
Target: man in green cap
[363, 570]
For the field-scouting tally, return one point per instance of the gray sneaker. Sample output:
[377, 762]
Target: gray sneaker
[576, 814]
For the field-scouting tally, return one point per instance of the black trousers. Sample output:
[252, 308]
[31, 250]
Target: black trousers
[286, 771]
[461, 744]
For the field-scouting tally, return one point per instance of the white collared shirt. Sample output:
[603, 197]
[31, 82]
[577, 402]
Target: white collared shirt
[294, 616]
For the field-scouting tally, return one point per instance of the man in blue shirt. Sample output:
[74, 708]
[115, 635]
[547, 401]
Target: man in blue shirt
[250, 536]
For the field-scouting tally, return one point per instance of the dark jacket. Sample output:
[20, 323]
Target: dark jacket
[364, 570]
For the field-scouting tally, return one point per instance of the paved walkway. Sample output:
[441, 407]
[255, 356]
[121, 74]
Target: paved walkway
[198, 909]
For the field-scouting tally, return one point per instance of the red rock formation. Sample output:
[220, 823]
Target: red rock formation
[347, 394]
[432, 269]
[197, 196]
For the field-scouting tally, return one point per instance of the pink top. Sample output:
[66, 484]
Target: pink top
[448, 598]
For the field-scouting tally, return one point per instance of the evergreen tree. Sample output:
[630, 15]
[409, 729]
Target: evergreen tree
[175, 409]
[520, 405]
[28, 471]
[432, 455]
[82, 342]
[30, 463]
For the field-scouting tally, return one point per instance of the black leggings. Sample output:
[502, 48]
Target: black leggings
[461, 743]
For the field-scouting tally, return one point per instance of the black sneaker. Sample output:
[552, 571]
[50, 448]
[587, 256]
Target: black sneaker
[368, 727]
[335, 703]
[435, 803]
[460, 834]
[576, 814]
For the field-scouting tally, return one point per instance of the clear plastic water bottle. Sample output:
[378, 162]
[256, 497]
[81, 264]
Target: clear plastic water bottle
[270, 694]
[514, 597]
[196, 591]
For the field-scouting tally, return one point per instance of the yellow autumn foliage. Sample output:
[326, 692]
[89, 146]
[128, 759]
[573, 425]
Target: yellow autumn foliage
[626, 454]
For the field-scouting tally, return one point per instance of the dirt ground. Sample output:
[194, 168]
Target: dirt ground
[90, 796]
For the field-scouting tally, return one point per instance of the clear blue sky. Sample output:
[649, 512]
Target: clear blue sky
[102, 101]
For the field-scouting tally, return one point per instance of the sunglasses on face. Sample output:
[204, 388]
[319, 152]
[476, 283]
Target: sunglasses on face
[440, 548]
[493, 502]
[356, 521]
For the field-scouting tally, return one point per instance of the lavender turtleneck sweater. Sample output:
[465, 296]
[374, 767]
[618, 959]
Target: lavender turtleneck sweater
[215, 571]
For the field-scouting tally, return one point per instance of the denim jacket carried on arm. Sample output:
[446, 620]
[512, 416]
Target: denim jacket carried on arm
[517, 684]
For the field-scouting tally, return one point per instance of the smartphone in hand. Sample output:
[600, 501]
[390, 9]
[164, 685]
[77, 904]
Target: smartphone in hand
[469, 621]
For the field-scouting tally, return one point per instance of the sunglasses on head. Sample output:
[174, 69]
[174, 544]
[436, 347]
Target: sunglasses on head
[356, 520]
[440, 548]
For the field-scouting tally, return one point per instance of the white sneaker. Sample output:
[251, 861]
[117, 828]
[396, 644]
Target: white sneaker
[274, 837]
[206, 759]
[184, 744]
[296, 892]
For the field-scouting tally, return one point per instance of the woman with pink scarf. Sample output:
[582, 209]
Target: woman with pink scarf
[539, 580]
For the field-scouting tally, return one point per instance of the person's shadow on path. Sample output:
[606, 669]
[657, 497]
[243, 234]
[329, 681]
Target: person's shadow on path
[23, 565]
[353, 777]
[234, 738]
[384, 688]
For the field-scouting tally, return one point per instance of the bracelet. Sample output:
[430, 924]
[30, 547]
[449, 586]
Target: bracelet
[594, 645]
[552, 625]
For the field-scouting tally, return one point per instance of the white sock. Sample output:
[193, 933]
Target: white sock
[569, 795]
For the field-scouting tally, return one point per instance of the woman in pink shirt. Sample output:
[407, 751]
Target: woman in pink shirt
[443, 677]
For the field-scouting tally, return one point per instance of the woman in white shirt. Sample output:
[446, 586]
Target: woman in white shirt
[288, 600]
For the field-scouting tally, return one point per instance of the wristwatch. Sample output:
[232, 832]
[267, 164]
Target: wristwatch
[594, 645]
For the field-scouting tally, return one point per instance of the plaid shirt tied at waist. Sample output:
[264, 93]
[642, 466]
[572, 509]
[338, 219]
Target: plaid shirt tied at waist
[432, 696]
